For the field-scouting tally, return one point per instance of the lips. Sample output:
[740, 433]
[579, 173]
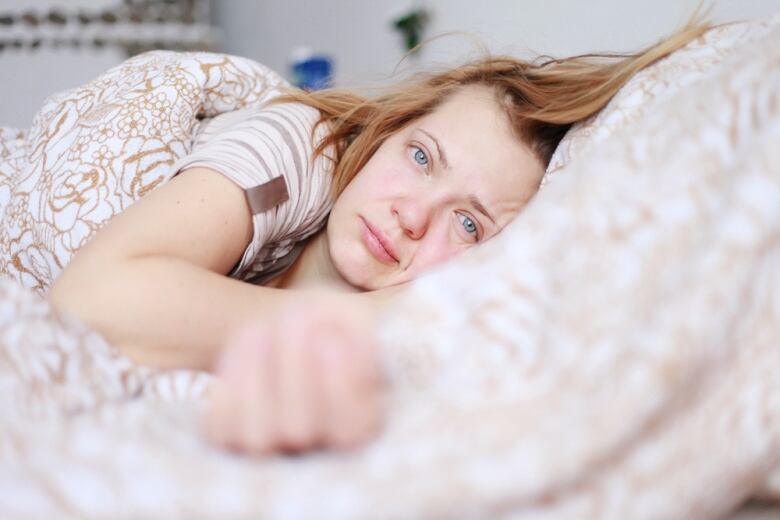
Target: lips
[378, 243]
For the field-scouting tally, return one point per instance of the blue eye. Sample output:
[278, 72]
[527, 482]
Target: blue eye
[468, 224]
[420, 157]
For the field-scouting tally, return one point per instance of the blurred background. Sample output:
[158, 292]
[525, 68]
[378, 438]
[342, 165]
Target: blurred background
[51, 45]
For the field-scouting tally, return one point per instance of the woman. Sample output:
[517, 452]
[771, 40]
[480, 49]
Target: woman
[420, 174]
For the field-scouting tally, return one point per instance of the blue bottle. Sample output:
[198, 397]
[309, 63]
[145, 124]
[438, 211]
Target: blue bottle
[311, 71]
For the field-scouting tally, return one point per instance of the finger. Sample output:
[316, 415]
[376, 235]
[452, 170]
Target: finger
[256, 430]
[239, 395]
[224, 406]
[368, 386]
[350, 393]
[298, 405]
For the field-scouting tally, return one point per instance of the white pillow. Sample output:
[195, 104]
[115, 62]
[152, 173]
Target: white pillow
[655, 85]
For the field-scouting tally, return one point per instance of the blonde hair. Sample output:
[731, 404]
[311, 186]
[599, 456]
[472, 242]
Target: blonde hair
[541, 100]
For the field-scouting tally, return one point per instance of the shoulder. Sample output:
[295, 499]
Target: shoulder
[255, 145]
[276, 119]
[270, 153]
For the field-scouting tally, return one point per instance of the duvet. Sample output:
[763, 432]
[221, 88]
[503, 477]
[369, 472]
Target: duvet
[613, 354]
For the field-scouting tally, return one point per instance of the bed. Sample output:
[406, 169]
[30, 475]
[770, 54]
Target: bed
[617, 359]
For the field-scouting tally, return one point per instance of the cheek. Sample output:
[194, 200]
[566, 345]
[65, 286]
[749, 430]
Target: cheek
[438, 249]
[370, 184]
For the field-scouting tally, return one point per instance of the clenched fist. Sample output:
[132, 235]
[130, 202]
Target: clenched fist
[307, 378]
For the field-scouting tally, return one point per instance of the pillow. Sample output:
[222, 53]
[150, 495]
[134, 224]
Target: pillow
[609, 354]
[655, 85]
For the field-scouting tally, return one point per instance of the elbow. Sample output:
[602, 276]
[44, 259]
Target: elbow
[62, 297]
[81, 298]
[67, 295]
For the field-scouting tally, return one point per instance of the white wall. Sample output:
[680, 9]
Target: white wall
[27, 77]
[358, 34]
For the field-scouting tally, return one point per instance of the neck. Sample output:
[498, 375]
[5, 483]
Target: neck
[314, 268]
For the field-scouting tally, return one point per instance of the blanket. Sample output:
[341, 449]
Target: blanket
[612, 354]
[93, 151]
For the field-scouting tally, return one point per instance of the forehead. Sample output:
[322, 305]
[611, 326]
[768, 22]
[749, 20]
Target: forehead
[483, 153]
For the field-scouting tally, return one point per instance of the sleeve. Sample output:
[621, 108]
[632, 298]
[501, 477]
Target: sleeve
[268, 152]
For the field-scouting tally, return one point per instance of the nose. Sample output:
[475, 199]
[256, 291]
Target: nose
[413, 216]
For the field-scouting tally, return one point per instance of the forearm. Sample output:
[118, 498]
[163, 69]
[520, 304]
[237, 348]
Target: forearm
[163, 311]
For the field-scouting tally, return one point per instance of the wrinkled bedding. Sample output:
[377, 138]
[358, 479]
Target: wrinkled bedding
[93, 151]
[613, 354]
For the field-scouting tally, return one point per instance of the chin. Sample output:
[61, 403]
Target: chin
[353, 271]
[358, 269]
[362, 281]
[362, 277]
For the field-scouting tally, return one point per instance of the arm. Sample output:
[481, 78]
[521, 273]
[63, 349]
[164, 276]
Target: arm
[308, 379]
[296, 373]
[153, 280]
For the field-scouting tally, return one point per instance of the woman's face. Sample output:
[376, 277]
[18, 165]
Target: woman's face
[441, 185]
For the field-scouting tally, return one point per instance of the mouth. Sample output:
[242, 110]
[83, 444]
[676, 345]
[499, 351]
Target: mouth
[378, 243]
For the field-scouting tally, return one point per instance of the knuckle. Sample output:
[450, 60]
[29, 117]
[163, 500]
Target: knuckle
[346, 436]
[255, 442]
[299, 439]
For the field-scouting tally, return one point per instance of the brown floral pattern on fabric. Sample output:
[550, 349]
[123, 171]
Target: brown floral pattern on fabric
[93, 151]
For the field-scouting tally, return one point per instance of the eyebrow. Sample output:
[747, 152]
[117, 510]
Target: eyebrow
[439, 149]
[473, 199]
[481, 208]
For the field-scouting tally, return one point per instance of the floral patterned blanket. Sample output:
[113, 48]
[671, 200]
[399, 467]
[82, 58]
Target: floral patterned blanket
[612, 354]
[94, 150]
